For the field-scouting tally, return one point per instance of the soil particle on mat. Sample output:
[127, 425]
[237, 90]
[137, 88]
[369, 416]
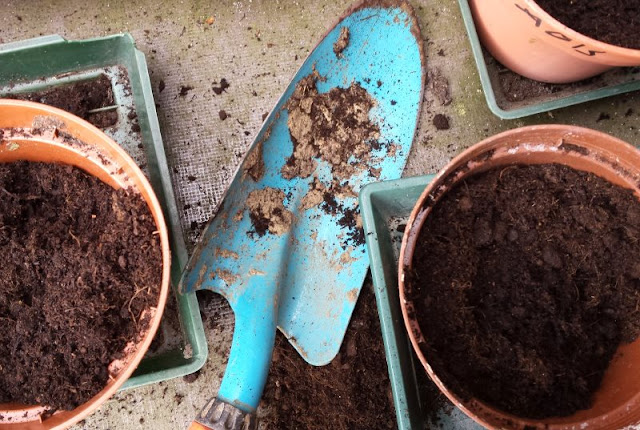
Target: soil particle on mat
[222, 87]
[352, 392]
[267, 211]
[333, 126]
[526, 280]
[441, 122]
[79, 98]
[184, 90]
[81, 263]
[438, 85]
[610, 21]
[161, 86]
[223, 115]
[342, 42]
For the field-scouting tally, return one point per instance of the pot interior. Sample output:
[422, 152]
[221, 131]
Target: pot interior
[617, 402]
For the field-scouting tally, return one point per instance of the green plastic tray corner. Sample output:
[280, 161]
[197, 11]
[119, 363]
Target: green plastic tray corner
[53, 55]
[380, 203]
[532, 109]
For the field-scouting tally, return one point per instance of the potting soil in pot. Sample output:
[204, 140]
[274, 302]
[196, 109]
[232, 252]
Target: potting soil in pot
[611, 21]
[79, 98]
[80, 264]
[526, 280]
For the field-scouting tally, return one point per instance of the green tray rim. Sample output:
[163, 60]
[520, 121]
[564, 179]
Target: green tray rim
[399, 363]
[155, 368]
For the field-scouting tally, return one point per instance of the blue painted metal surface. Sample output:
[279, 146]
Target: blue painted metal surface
[306, 281]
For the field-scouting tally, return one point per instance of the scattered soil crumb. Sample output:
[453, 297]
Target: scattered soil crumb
[332, 126]
[314, 196]
[603, 116]
[527, 282]
[223, 115]
[254, 164]
[441, 122]
[161, 86]
[184, 90]
[191, 378]
[439, 86]
[267, 211]
[342, 42]
[222, 87]
[319, 194]
[80, 264]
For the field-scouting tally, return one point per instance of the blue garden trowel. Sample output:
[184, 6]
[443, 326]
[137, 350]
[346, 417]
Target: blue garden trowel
[305, 277]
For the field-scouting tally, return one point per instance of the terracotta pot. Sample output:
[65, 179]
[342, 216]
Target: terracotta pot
[617, 402]
[532, 43]
[94, 152]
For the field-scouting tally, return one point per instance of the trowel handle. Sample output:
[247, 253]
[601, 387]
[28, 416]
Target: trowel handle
[246, 373]
[219, 415]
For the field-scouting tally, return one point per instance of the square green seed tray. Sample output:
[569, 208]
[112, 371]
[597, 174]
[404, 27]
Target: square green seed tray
[613, 82]
[385, 208]
[45, 62]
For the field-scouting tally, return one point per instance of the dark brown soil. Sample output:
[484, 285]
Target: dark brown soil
[79, 98]
[527, 280]
[221, 88]
[517, 88]
[352, 392]
[441, 122]
[80, 265]
[611, 21]
[184, 90]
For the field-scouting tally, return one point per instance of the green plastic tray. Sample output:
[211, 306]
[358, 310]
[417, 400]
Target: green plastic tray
[43, 62]
[385, 207]
[616, 81]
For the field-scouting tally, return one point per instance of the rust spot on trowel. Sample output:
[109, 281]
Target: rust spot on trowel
[352, 295]
[346, 258]
[238, 216]
[298, 347]
[201, 273]
[255, 272]
[254, 164]
[227, 276]
[225, 253]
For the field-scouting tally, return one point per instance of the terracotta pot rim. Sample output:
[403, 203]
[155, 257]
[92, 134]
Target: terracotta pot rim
[419, 213]
[100, 142]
